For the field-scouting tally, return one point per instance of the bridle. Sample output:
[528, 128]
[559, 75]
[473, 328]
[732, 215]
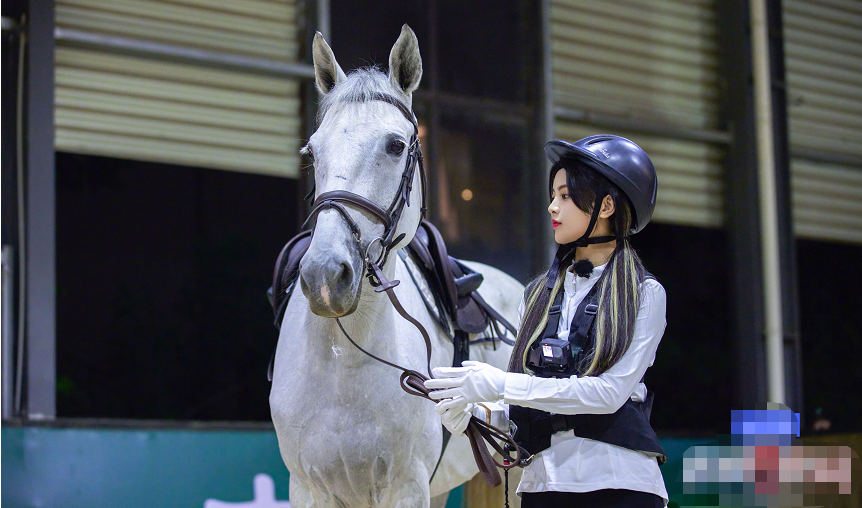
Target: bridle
[411, 380]
[390, 217]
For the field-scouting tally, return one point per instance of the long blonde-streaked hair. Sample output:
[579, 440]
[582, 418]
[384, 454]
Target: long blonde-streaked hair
[619, 285]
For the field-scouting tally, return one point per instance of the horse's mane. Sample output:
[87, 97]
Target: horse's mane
[362, 85]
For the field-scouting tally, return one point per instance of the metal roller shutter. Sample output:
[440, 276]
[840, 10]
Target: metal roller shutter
[144, 108]
[651, 62]
[823, 48]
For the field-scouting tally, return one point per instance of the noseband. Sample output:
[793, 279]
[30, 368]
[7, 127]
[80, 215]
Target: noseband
[337, 200]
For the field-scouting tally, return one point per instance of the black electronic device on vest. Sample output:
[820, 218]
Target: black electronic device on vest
[554, 354]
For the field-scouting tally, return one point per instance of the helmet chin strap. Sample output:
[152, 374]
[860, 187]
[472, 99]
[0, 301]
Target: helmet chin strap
[586, 240]
[567, 251]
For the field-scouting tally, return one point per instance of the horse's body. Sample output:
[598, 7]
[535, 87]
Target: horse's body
[347, 432]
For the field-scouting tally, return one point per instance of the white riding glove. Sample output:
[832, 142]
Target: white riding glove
[475, 382]
[455, 414]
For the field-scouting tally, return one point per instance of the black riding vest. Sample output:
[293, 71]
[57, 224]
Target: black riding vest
[628, 427]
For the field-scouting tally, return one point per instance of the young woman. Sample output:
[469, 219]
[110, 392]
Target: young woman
[588, 331]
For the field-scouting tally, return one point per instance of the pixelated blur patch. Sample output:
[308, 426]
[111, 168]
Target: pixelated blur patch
[762, 463]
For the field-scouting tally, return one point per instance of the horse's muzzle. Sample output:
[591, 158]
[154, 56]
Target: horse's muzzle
[330, 283]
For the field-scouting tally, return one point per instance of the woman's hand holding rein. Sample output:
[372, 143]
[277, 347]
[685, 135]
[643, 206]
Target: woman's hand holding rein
[474, 382]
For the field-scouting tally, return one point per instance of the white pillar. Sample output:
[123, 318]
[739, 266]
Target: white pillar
[768, 208]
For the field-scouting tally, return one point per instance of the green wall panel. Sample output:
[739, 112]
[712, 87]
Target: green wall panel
[183, 468]
[88, 468]
[142, 468]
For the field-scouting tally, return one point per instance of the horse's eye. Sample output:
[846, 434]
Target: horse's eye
[308, 152]
[395, 147]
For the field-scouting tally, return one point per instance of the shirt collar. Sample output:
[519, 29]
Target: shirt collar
[573, 280]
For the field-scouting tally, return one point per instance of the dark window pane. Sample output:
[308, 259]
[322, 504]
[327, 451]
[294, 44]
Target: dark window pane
[693, 376]
[484, 49]
[482, 202]
[363, 33]
[161, 279]
[830, 299]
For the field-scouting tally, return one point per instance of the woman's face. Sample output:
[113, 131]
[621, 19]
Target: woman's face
[569, 221]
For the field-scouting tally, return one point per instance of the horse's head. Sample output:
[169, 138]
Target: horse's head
[361, 147]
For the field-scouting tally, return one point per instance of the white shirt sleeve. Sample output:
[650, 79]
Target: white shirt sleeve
[607, 392]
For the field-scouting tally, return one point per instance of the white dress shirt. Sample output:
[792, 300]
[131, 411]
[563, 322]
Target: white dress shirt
[576, 464]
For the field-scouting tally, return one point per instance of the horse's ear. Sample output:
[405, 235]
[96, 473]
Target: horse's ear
[327, 72]
[405, 64]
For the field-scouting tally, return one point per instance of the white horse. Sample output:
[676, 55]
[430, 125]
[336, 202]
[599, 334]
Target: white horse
[348, 434]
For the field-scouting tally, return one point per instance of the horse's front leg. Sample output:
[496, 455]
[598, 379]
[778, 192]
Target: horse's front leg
[300, 496]
[413, 492]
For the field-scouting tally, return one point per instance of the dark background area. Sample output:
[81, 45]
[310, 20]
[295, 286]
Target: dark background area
[359, 45]
[495, 226]
[484, 62]
[830, 299]
[693, 372]
[161, 279]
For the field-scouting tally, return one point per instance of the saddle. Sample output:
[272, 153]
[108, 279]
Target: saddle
[453, 286]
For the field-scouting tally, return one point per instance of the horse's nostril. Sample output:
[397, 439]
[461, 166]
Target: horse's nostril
[345, 275]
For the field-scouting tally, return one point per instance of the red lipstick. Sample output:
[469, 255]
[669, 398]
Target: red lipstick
[554, 224]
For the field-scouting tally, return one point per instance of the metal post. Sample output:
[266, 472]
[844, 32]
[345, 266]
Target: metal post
[752, 252]
[788, 273]
[773, 326]
[308, 107]
[433, 112]
[8, 329]
[547, 103]
[13, 164]
[547, 72]
[323, 20]
[534, 59]
[740, 204]
[40, 279]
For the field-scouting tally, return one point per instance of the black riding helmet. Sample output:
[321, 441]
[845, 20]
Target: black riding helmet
[625, 164]
[622, 162]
